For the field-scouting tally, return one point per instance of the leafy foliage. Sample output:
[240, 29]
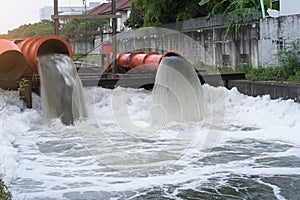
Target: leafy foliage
[289, 57]
[269, 74]
[4, 192]
[82, 26]
[159, 12]
[44, 27]
[239, 10]
[136, 18]
[289, 69]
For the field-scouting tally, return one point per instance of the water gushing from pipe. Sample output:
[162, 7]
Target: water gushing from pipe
[177, 93]
[61, 88]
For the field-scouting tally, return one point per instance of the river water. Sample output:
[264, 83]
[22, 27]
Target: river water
[246, 148]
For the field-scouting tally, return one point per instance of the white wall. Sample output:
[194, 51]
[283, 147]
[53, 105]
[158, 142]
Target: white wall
[276, 33]
[289, 7]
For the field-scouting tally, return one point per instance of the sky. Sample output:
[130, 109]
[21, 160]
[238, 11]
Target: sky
[14, 13]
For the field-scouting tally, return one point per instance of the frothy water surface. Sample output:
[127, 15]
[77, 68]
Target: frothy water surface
[257, 154]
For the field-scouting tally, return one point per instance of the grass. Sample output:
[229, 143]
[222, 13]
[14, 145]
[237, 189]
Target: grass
[87, 57]
[279, 74]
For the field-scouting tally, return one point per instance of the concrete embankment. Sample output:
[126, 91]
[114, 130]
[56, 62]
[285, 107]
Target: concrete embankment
[274, 89]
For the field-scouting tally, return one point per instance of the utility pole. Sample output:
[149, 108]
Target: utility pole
[262, 9]
[114, 37]
[112, 16]
[56, 21]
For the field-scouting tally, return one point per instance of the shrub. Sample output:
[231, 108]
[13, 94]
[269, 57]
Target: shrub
[289, 69]
[244, 67]
[4, 192]
[289, 57]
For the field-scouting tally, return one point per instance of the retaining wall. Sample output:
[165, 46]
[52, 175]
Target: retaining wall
[274, 89]
[255, 41]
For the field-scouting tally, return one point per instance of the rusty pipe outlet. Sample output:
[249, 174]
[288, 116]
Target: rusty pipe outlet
[12, 61]
[41, 45]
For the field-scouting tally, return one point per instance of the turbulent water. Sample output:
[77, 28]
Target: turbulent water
[255, 153]
[61, 88]
[177, 93]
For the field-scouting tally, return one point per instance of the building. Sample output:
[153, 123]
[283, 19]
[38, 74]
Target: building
[289, 7]
[284, 7]
[122, 8]
[47, 11]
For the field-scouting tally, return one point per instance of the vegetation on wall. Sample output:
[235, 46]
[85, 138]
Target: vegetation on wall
[239, 10]
[287, 71]
[159, 12]
[145, 13]
[242, 9]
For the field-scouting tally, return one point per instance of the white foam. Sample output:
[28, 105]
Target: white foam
[41, 161]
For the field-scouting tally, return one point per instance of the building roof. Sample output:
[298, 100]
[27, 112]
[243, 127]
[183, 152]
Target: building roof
[105, 8]
[99, 9]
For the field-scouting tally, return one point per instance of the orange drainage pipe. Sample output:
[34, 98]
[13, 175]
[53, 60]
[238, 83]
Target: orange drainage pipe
[147, 62]
[41, 45]
[152, 61]
[123, 60]
[12, 61]
[136, 59]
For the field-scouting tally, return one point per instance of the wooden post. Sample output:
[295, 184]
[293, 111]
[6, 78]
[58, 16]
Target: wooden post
[25, 92]
[56, 21]
[114, 35]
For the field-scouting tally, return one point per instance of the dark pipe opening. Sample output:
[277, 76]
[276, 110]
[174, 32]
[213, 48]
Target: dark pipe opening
[169, 54]
[53, 46]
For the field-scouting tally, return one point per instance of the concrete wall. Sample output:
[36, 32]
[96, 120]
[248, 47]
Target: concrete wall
[256, 42]
[274, 35]
[199, 40]
[274, 89]
[289, 7]
[81, 47]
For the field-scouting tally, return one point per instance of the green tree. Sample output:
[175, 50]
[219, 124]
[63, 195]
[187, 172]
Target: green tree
[82, 26]
[136, 18]
[44, 27]
[239, 10]
[159, 12]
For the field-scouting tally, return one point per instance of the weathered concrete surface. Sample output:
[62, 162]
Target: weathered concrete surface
[274, 35]
[256, 41]
[200, 41]
[81, 47]
[274, 89]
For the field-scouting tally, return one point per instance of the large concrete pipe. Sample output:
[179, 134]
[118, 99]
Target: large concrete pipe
[12, 61]
[146, 62]
[41, 45]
